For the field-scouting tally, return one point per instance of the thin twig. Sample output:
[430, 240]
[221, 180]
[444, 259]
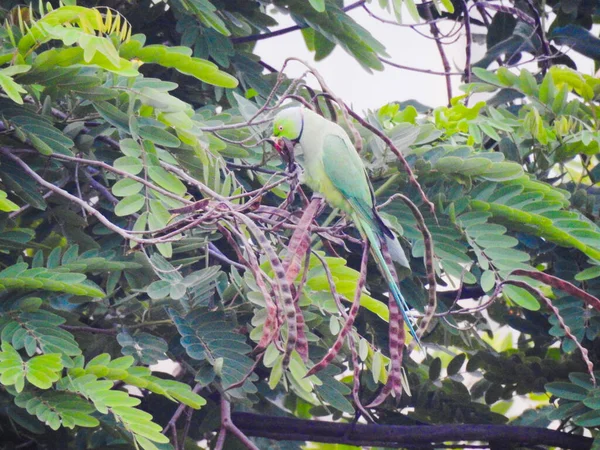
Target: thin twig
[416, 69]
[469, 38]
[271, 34]
[392, 22]
[347, 328]
[522, 16]
[78, 187]
[540, 295]
[109, 168]
[25, 207]
[561, 284]
[84, 329]
[429, 266]
[435, 31]
[399, 155]
[542, 35]
[180, 409]
[92, 211]
[344, 109]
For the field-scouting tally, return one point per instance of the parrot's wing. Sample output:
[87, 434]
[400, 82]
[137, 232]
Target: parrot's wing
[345, 170]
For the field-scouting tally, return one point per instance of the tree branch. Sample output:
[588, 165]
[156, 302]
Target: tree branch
[435, 32]
[424, 436]
[260, 37]
[228, 425]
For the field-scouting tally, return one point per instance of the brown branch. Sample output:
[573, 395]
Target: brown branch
[347, 328]
[469, 37]
[399, 155]
[107, 167]
[84, 329]
[558, 283]
[271, 34]
[92, 211]
[179, 411]
[416, 69]
[509, 10]
[542, 35]
[429, 266]
[435, 32]
[228, 425]
[540, 296]
[421, 436]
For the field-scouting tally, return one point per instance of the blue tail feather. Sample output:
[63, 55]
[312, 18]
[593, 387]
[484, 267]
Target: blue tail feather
[394, 289]
[403, 308]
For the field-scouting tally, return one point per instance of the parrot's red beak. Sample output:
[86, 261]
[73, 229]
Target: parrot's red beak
[279, 145]
[285, 148]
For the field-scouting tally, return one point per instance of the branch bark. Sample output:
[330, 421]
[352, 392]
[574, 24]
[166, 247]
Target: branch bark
[424, 436]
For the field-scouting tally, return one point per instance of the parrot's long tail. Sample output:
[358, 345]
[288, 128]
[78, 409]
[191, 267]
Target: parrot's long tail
[375, 242]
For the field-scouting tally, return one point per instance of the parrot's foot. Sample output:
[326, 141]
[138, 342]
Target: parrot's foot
[298, 173]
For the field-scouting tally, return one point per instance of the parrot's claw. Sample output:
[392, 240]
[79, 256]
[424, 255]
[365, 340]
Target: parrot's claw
[297, 173]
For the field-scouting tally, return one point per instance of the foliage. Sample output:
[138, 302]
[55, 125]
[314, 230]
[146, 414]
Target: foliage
[144, 218]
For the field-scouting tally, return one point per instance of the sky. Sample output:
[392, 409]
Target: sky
[364, 90]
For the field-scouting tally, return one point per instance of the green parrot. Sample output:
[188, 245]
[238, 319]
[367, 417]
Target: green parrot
[333, 168]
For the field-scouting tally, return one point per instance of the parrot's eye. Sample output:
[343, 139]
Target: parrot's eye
[280, 127]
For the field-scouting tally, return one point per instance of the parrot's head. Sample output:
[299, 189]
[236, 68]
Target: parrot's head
[287, 131]
[289, 124]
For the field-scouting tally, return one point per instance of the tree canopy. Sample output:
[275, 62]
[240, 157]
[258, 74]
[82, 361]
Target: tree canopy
[166, 282]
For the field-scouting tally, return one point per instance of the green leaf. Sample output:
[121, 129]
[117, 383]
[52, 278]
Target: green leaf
[521, 297]
[126, 187]
[159, 136]
[589, 419]
[12, 89]
[578, 39]
[44, 137]
[130, 147]
[568, 391]
[144, 347]
[129, 164]
[159, 289]
[323, 46]
[22, 185]
[496, 240]
[486, 76]
[5, 204]
[456, 364]
[208, 336]
[166, 180]
[588, 274]
[113, 115]
[435, 368]
[130, 205]
[412, 9]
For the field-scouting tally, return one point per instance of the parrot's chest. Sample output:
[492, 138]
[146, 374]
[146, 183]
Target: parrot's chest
[315, 177]
[311, 159]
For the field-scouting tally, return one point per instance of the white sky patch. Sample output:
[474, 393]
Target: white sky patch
[363, 90]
